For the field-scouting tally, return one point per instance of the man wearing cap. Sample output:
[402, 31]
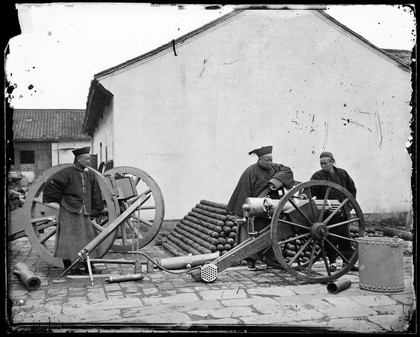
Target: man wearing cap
[339, 176]
[263, 177]
[76, 190]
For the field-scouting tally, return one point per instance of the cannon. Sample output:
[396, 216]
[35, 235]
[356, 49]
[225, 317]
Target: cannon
[293, 232]
[121, 188]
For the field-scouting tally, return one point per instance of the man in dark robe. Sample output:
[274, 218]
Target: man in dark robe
[263, 177]
[339, 176]
[76, 190]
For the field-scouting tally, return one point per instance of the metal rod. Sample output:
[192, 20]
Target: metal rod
[112, 261]
[111, 227]
[68, 269]
[89, 269]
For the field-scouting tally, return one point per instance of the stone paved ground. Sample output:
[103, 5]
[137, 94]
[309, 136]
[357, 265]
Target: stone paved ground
[239, 300]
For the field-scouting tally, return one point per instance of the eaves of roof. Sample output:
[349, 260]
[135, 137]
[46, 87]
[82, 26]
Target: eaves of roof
[98, 99]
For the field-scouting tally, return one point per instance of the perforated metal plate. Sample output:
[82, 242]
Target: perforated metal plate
[209, 272]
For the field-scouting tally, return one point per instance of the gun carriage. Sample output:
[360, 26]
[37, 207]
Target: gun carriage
[120, 187]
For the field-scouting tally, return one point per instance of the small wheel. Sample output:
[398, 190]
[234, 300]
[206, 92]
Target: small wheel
[144, 224]
[303, 231]
[40, 218]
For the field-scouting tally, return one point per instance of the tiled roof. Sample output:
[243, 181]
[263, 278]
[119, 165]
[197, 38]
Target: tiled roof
[48, 124]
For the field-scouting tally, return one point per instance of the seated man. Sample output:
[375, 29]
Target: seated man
[254, 181]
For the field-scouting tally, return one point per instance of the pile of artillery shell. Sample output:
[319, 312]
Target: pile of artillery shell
[292, 250]
[293, 247]
[207, 228]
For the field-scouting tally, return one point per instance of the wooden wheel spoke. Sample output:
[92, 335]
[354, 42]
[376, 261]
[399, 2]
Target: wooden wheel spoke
[47, 236]
[293, 224]
[293, 238]
[123, 231]
[52, 205]
[342, 237]
[97, 226]
[133, 228]
[300, 212]
[336, 211]
[44, 219]
[312, 257]
[335, 248]
[147, 207]
[302, 248]
[136, 180]
[324, 257]
[324, 203]
[342, 223]
[145, 191]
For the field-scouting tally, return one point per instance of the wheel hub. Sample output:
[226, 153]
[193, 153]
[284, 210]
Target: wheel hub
[319, 231]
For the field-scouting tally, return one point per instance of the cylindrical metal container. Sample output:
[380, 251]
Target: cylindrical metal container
[381, 264]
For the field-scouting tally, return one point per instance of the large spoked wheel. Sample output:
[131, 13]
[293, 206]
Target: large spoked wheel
[305, 233]
[144, 224]
[41, 218]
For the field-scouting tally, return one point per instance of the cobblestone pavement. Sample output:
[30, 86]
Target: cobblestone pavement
[239, 300]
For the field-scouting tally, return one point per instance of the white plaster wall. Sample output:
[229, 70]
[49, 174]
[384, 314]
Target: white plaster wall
[62, 152]
[104, 133]
[285, 78]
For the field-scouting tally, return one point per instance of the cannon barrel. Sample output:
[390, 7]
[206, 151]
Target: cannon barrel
[263, 207]
[26, 276]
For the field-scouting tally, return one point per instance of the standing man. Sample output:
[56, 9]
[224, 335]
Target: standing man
[76, 190]
[339, 176]
[255, 180]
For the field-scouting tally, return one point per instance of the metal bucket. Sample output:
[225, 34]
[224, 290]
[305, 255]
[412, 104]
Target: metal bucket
[381, 264]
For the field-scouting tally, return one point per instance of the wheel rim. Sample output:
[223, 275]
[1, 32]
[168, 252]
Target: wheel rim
[40, 218]
[310, 226]
[144, 224]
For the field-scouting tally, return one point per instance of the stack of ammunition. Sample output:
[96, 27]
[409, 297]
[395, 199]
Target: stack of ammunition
[207, 228]
[290, 249]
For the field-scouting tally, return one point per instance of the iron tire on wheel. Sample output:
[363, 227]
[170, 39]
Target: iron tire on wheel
[40, 229]
[145, 185]
[314, 229]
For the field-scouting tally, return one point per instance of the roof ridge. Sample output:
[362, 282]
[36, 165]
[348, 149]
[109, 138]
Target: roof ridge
[360, 37]
[172, 43]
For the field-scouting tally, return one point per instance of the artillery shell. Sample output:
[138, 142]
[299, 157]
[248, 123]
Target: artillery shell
[125, 278]
[227, 229]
